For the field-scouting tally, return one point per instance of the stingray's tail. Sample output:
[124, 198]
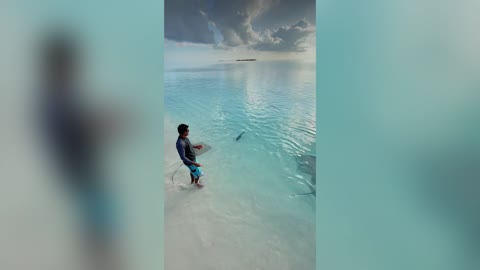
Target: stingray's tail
[302, 194]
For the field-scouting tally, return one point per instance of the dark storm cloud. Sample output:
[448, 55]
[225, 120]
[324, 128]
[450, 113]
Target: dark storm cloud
[235, 20]
[287, 13]
[184, 21]
[286, 39]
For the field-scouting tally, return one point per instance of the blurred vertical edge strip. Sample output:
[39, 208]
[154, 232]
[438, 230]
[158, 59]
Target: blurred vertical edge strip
[398, 135]
[122, 61]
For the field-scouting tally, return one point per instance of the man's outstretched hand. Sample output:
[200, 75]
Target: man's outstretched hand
[198, 147]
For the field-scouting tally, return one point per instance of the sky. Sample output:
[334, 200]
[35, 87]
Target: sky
[213, 30]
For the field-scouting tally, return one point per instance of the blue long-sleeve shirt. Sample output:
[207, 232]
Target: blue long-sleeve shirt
[185, 150]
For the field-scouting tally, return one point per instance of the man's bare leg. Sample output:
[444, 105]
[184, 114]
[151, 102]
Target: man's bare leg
[191, 176]
[197, 183]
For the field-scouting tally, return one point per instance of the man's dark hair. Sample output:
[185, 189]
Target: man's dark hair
[182, 128]
[60, 50]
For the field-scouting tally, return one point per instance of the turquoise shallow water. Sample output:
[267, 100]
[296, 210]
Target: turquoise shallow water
[249, 183]
[273, 102]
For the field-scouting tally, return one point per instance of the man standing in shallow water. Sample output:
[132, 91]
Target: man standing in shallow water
[74, 137]
[187, 154]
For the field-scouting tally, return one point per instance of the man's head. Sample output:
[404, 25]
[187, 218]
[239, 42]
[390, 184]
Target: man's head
[182, 130]
[60, 58]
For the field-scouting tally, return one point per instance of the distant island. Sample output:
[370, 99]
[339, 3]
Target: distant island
[238, 60]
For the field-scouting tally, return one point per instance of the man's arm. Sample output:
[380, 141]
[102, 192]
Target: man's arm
[181, 152]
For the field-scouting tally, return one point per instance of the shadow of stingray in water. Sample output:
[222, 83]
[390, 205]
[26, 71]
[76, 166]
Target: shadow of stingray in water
[307, 164]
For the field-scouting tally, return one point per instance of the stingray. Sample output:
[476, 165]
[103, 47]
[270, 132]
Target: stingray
[307, 164]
